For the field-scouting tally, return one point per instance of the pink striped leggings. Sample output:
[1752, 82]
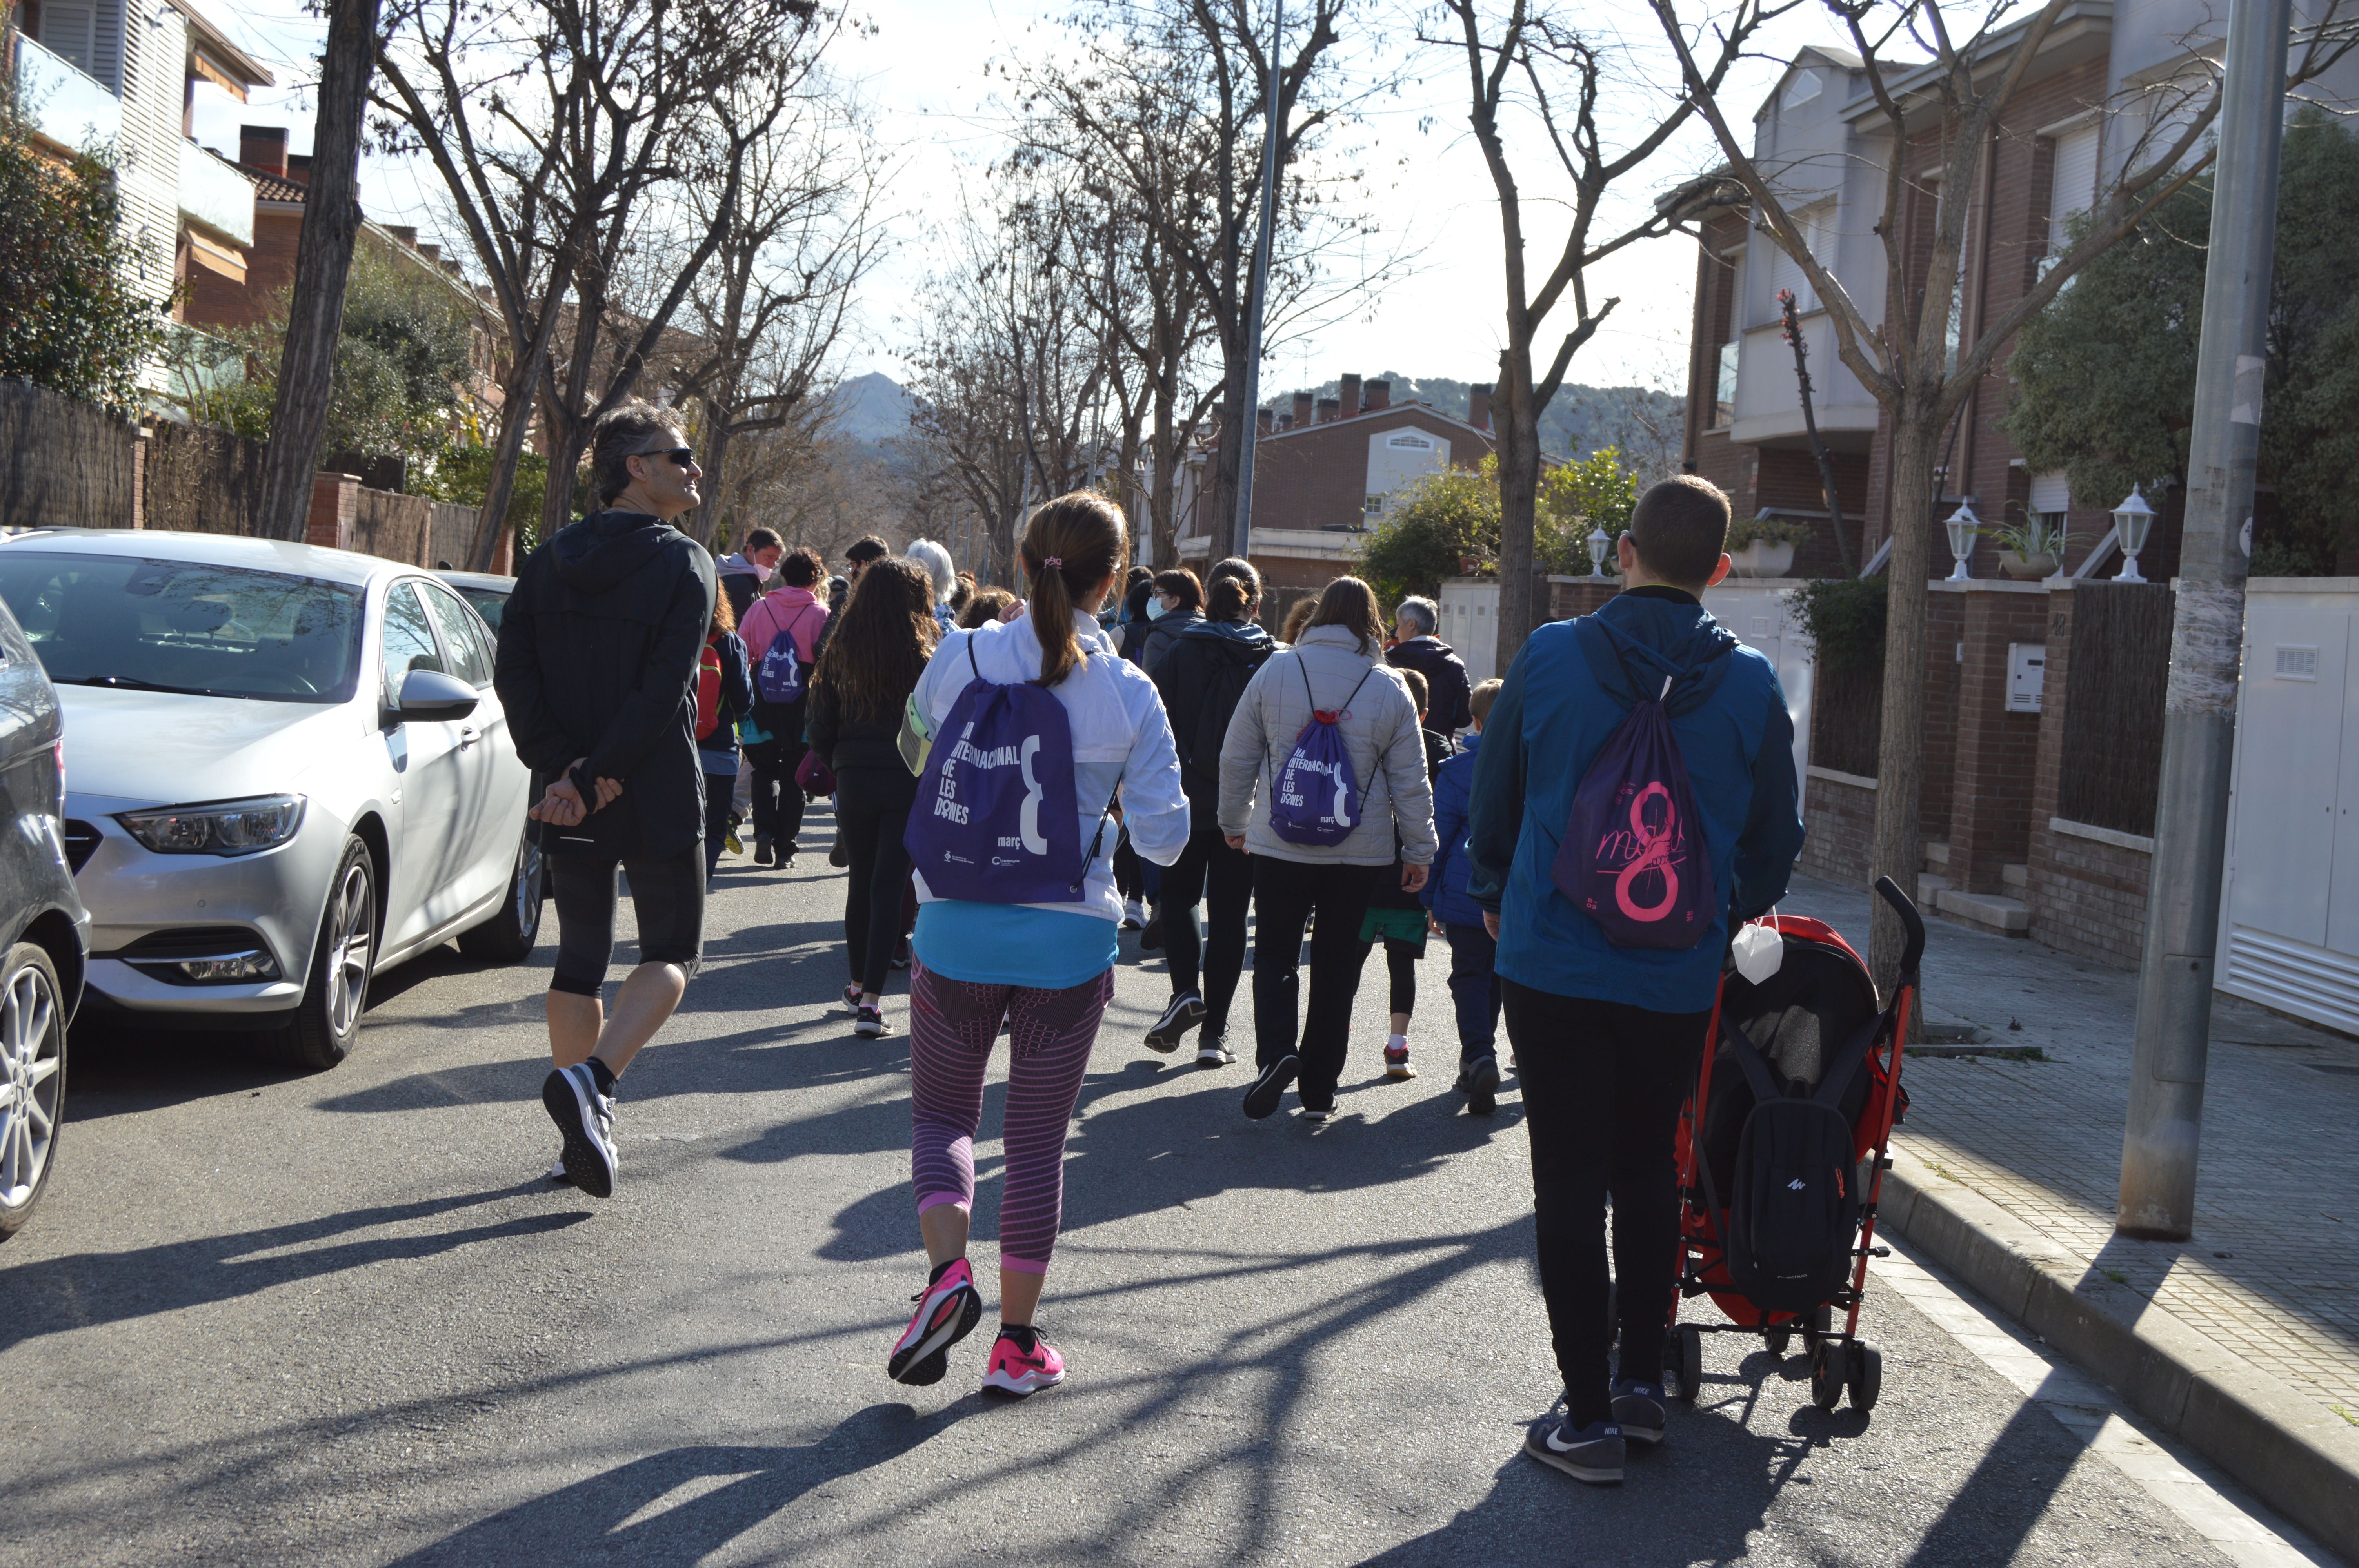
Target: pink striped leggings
[952, 1024]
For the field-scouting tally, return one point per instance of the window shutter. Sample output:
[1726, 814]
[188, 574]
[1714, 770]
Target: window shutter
[2050, 493]
[2074, 187]
[69, 29]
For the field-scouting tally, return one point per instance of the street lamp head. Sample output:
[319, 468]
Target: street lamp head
[2133, 521]
[1599, 542]
[1963, 526]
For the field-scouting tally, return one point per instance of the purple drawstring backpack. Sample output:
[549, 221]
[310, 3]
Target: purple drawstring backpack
[996, 819]
[1315, 798]
[783, 677]
[1633, 857]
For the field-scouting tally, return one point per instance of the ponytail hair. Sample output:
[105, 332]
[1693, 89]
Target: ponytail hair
[1236, 601]
[1071, 545]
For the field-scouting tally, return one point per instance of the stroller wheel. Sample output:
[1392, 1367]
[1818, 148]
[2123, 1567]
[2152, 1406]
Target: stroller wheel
[1778, 1339]
[1687, 1345]
[1829, 1367]
[1866, 1380]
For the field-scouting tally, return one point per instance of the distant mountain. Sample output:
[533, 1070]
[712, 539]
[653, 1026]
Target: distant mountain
[873, 407]
[1578, 420]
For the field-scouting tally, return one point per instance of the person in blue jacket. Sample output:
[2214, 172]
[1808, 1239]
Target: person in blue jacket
[1473, 975]
[1607, 1039]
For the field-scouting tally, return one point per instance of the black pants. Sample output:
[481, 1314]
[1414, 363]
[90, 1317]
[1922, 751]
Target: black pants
[1286, 893]
[871, 808]
[1602, 1083]
[777, 799]
[666, 896]
[1129, 880]
[1221, 879]
[719, 791]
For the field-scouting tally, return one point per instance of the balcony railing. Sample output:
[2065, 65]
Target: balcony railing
[64, 105]
[214, 194]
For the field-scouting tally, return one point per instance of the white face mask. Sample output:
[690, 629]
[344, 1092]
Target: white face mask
[1155, 608]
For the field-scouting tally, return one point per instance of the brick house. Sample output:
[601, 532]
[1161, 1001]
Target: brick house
[1324, 470]
[2043, 699]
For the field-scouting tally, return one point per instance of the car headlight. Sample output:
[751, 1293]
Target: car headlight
[222, 827]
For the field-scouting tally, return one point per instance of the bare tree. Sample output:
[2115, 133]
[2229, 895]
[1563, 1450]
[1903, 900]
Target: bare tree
[764, 318]
[1526, 60]
[550, 125]
[1941, 115]
[323, 259]
[1789, 318]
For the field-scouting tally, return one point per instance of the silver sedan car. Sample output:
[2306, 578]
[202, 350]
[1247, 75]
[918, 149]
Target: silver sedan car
[287, 771]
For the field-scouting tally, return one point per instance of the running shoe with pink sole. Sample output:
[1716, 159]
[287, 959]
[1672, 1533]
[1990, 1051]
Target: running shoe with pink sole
[1018, 1371]
[948, 1309]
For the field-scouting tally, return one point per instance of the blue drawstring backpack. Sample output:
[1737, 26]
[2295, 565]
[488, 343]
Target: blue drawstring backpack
[1633, 857]
[1316, 796]
[996, 819]
[783, 677]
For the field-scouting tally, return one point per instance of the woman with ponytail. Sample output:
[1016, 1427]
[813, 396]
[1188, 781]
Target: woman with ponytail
[1045, 970]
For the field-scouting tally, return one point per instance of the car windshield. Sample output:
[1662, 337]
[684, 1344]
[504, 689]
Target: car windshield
[185, 626]
[488, 602]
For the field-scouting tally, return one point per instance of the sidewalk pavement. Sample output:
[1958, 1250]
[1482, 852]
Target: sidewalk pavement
[2243, 1341]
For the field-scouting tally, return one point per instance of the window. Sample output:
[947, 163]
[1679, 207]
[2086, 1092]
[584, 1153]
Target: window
[1411, 441]
[1724, 396]
[70, 31]
[1374, 507]
[461, 638]
[1805, 86]
[409, 640]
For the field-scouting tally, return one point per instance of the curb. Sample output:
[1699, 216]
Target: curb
[2293, 1453]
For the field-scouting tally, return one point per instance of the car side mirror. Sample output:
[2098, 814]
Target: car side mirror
[432, 695]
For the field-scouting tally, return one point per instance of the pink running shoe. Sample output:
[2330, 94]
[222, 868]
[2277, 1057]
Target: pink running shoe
[947, 1311]
[1018, 1371]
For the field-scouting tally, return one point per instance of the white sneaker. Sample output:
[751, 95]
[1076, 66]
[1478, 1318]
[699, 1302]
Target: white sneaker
[1134, 915]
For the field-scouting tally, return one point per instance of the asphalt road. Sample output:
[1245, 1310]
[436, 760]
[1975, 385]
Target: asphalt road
[340, 1319]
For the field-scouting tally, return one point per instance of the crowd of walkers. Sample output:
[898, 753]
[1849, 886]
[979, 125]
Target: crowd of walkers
[1022, 774]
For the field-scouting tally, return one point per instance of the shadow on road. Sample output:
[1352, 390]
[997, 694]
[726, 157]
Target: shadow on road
[80, 1290]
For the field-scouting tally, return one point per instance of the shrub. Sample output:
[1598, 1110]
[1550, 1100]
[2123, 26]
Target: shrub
[1431, 529]
[74, 326]
[1844, 617]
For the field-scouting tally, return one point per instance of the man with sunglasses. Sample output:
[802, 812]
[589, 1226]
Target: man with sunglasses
[597, 667]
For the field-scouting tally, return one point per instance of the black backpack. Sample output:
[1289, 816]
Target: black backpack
[1232, 668]
[1793, 1205]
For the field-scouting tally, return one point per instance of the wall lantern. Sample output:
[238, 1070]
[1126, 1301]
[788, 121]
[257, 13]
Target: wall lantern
[1599, 543]
[1963, 526]
[2133, 520]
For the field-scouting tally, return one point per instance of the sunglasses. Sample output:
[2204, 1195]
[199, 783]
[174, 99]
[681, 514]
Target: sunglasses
[683, 456]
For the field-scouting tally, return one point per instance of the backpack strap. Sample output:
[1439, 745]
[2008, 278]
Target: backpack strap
[1846, 1062]
[1749, 1061]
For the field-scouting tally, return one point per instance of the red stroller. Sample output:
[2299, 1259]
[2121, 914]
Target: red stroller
[1782, 1151]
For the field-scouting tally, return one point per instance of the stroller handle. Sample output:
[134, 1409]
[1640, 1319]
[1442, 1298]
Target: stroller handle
[1911, 922]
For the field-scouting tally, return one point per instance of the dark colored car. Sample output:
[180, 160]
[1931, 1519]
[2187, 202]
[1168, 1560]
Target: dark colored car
[487, 593]
[44, 930]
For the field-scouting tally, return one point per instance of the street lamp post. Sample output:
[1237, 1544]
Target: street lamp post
[1248, 433]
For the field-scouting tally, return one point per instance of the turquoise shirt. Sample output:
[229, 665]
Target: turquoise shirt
[1013, 943]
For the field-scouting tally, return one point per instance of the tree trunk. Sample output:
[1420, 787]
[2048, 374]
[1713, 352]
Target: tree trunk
[1900, 757]
[323, 262]
[712, 513]
[1163, 467]
[1236, 429]
[515, 422]
[1517, 426]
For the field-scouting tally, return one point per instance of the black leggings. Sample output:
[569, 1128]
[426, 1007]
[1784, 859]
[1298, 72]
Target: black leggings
[667, 896]
[1602, 1083]
[1221, 879]
[872, 807]
[1400, 967]
[719, 792]
[777, 799]
[1286, 892]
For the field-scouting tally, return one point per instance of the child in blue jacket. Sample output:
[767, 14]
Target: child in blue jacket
[1607, 1039]
[1473, 978]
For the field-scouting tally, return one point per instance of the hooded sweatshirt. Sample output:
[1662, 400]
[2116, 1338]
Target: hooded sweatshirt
[1202, 679]
[1380, 734]
[740, 579]
[598, 651]
[1449, 701]
[1564, 698]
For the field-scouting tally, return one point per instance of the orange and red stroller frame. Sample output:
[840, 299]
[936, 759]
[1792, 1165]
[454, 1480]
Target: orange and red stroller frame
[1813, 1031]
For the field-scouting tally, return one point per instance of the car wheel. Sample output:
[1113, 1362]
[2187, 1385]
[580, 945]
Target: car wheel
[508, 937]
[328, 1019]
[32, 1080]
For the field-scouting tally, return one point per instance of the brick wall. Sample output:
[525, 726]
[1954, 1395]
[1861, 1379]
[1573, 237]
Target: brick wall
[71, 464]
[1840, 823]
[1944, 628]
[1319, 478]
[2087, 898]
[1996, 754]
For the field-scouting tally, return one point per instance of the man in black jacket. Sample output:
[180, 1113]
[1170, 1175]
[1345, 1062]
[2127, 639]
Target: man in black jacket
[1416, 647]
[598, 653]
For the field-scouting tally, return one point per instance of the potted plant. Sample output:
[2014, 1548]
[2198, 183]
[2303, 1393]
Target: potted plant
[2028, 550]
[1764, 545]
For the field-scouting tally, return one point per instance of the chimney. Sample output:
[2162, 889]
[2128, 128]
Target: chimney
[1265, 421]
[406, 232]
[262, 147]
[431, 252]
[1302, 408]
[1380, 395]
[1351, 399]
[298, 168]
[1327, 407]
[1286, 421]
[1478, 405]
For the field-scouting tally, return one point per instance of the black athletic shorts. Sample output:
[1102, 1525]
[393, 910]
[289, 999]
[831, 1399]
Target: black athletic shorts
[666, 895]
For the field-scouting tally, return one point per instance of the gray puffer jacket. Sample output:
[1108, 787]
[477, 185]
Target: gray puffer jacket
[1380, 734]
